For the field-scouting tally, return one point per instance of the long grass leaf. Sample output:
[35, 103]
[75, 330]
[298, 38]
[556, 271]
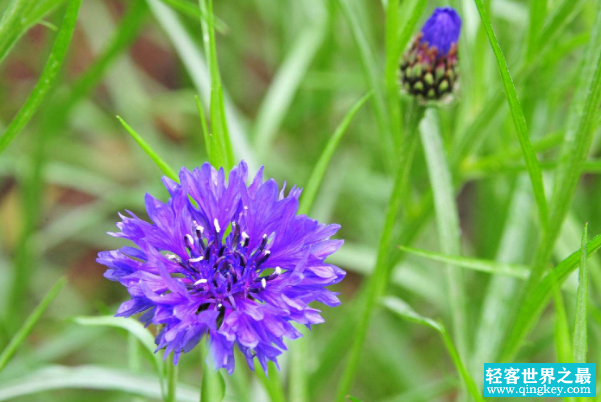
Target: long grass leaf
[447, 222]
[12, 24]
[196, 67]
[285, 85]
[580, 327]
[298, 378]
[563, 346]
[379, 280]
[165, 168]
[402, 309]
[12, 30]
[47, 78]
[195, 12]
[536, 300]
[126, 33]
[52, 378]
[135, 329]
[582, 117]
[319, 170]
[488, 266]
[519, 120]
[132, 327]
[29, 323]
[219, 125]
[496, 313]
[372, 75]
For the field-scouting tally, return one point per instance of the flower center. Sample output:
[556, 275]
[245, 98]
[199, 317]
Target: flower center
[221, 266]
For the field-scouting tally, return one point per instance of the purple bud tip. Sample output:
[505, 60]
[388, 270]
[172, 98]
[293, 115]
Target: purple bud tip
[442, 29]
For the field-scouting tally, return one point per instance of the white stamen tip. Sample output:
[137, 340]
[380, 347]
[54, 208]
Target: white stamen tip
[219, 305]
[189, 239]
[263, 283]
[278, 270]
[197, 259]
[264, 236]
[216, 223]
[198, 282]
[267, 252]
[200, 228]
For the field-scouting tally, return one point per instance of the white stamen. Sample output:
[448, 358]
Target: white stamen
[198, 282]
[216, 223]
[172, 257]
[189, 239]
[200, 229]
[278, 270]
[197, 259]
[267, 252]
[263, 283]
[244, 237]
[219, 305]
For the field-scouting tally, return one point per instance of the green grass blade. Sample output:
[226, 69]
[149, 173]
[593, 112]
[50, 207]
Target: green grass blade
[44, 84]
[321, 166]
[447, 222]
[219, 126]
[126, 33]
[582, 118]
[195, 12]
[563, 344]
[133, 328]
[403, 310]
[285, 85]
[210, 145]
[536, 300]
[519, 120]
[298, 378]
[372, 75]
[488, 266]
[169, 172]
[580, 328]
[11, 24]
[11, 31]
[496, 314]
[196, 67]
[379, 280]
[47, 379]
[538, 10]
[29, 323]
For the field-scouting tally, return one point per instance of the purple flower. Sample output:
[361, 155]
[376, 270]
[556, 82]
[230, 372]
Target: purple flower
[442, 30]
[226, 260]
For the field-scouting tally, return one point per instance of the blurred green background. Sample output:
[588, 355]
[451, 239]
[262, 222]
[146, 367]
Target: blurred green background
[291, 70]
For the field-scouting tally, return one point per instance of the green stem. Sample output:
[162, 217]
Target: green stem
[212, 387]
[171, 382]
[379, 280]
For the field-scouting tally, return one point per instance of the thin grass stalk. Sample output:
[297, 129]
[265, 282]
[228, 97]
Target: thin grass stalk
[378, 282]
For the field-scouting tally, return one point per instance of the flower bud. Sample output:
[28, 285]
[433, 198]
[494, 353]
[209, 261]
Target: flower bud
[429, 69]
